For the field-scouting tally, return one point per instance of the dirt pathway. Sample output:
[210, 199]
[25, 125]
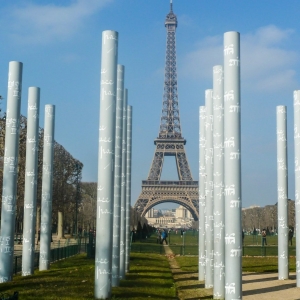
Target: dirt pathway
[187, 284]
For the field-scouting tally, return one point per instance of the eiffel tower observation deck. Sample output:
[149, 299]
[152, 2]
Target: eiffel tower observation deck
[169, 143]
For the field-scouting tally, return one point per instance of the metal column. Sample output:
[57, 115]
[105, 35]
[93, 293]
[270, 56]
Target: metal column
[282, 184]
[105, 190]
[10, 170]
[117, 182]
[31, 176]
[209, 203]
[123, 189]
[202, 180]
[46, 206]
[232, 166]
[128, 186]
[297, 179]
[219, 213]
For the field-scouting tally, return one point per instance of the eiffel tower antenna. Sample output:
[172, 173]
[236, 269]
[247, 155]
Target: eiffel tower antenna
[169, 142]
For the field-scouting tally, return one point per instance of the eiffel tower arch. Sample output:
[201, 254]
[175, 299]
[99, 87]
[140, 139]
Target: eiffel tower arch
[169, 143]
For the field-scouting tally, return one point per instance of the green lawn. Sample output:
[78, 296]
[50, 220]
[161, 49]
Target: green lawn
[250, 264]
[191, 238]
[70, 278]
[256, 240]
[149, 277]
[252, 245]
[73, 278]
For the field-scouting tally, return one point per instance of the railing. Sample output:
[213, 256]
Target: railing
[193, 250]
[147, 248]
[56, 254]
[167, 182]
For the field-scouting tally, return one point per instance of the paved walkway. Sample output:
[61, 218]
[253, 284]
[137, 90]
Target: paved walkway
[266, 286]
[256, 286]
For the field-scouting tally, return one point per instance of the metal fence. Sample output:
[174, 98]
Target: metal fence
[60, 252]
[193, 250]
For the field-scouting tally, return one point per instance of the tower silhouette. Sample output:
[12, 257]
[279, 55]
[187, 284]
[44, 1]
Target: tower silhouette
[169, 143]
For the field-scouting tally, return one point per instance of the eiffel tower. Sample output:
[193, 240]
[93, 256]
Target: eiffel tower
[169, 143]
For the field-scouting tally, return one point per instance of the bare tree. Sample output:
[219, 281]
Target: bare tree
[65, 174]
[89, 204]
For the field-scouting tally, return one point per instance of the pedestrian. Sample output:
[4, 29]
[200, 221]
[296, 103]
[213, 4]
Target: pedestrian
[291, 235]
[264, 237]
[158, 238]
[164, 236]
[132, 235]
[243, 236]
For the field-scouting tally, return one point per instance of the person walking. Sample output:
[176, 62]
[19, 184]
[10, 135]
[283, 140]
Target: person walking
[264, 237]
[291, 235]
[164, 236]
[158, 238]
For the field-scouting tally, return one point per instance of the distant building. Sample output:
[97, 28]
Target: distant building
[183, 213]
[150, 213]
[175, 218]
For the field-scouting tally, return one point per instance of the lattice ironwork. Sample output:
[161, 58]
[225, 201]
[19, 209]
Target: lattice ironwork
[184, 193]
[170, 120]
[169, 143]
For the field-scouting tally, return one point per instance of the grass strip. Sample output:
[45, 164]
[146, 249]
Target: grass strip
[73, 278]
[149, 277]
[250, 264]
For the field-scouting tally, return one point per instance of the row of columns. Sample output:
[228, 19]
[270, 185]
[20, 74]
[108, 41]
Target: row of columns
[10, 173]
[220, 236]
[164, 220]
[220, 240]
[114, 172]
[282, 188]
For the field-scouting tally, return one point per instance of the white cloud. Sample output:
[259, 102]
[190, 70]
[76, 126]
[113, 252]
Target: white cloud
[35, 23]
[266, 61]
[199, 63]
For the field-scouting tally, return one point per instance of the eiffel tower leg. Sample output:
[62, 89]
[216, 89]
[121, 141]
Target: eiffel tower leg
[142, 202]
[157, 164]
[183, 168]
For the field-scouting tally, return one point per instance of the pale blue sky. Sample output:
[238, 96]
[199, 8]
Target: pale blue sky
[59, 43]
